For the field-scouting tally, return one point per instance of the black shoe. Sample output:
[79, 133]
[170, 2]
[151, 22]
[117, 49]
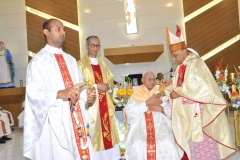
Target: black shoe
[2, 140]
[12, 129]
[6, 138]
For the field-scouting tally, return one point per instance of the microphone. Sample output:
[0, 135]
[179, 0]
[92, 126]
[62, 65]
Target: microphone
[171, 72]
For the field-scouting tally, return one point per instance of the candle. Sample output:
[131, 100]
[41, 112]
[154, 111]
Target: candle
[232, 76]
[233, 88]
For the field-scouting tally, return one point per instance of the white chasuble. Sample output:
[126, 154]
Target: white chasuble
[48, 129]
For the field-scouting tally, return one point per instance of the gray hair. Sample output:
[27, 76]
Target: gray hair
[91, 37]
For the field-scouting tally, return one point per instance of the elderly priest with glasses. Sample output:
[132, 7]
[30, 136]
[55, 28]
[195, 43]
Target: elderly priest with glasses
[148, 116]
[103, 128]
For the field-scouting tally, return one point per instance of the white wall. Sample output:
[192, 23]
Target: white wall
[13, 34]
[105, 18]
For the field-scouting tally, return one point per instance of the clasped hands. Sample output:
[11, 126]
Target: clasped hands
[154, 103]
[73, 93]
[173, 95]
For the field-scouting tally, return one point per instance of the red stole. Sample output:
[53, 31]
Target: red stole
[68, 83]
[151, 141]
[3, 127]
[181, 73]
[103, 108]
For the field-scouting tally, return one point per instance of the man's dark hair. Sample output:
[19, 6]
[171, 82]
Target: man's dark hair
[89, 38]
[46, 24]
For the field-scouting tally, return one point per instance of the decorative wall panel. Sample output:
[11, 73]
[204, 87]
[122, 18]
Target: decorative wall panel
[212, 28]
[66, 10]
[63, 9]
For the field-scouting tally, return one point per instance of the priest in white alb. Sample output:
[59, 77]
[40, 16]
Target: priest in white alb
[4, 127]
[9, 115]
[55, 121]
[150, 136]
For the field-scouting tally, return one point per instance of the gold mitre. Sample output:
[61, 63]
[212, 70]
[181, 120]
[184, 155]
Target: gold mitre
[175, 42]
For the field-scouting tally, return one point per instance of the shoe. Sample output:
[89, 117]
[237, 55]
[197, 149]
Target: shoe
[2, 140]
[6, 138]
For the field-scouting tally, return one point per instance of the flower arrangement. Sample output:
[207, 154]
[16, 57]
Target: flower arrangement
[124, 92]
[163, 84]
[237, 79]
[221, 78]
[235, 99]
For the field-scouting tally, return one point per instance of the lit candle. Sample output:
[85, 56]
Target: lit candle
[233, 88]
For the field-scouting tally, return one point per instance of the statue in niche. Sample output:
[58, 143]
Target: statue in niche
[7, 72]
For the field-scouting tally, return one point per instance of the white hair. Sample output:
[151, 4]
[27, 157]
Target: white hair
[147, 72]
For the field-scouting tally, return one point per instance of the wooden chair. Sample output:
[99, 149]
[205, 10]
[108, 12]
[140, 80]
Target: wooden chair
[228, 111]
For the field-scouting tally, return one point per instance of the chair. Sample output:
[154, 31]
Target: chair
[228, 111]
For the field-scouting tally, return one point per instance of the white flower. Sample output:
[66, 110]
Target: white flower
[225, 74]
[234, 106]
[217, 74]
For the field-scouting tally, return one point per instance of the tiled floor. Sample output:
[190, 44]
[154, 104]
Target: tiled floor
[13, 150]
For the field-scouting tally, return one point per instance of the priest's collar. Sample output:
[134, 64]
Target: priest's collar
[94, 61]
[53, 49]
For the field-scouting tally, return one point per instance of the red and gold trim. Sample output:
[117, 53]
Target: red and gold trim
[103, 108]
[68, 83]
[181, 74]
[151, 141]
[177, 47]
[3, 127]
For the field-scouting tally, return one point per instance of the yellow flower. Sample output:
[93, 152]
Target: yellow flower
[161, 89]
[122, 92]
[129, 91]
[118, 91]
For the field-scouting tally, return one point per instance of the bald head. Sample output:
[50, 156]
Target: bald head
[148, 80]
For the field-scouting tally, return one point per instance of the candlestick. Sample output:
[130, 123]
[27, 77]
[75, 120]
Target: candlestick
[232, 77]
[233, 88]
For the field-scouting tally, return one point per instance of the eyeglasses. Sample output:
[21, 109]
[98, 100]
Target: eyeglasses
[94, 46]
[150, 79]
